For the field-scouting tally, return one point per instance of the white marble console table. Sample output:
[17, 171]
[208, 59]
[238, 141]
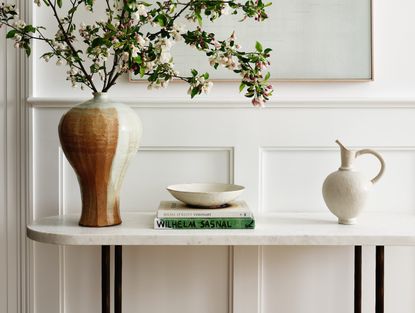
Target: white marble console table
[277, 229]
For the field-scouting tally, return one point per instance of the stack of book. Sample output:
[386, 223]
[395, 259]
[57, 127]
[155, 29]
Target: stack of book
[177, 215]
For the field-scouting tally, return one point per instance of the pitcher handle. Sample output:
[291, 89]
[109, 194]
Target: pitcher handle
[379, 157]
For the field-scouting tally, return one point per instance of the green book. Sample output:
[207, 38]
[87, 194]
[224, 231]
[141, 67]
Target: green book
[204, 223]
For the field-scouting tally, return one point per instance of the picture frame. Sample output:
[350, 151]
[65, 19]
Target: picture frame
[312, 40]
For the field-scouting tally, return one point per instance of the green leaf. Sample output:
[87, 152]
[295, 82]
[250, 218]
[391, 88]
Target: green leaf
[100, 42]
[267, 76]
[11, 34]
[199, 18]
[29, 29]
[49, 54]
[28, 50]
[242, 87]
[161, 19]
[194, 92]
[194, 72]
[258, 46]
[111, 27]
[142, 71]
[59, 3]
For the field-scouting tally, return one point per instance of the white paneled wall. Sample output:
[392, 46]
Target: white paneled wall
[281, 154]
[283, 168]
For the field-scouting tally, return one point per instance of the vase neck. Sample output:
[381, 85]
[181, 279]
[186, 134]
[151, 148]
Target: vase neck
[100, 96]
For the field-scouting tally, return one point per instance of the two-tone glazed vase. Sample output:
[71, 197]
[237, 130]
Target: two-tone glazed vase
[99, 138]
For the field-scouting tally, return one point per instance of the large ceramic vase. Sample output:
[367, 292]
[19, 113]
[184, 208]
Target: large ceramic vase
[99, 137]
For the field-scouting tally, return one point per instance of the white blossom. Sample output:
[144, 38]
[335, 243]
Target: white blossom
[125, 56]
[134, 51]
[217, 44]
[165, 57]
[150, 66]
[73, 71]
[165, 44]
[177, 31]
[20, 24]
[140, 40]
[8, 8]
[207, 87]
[141, 9]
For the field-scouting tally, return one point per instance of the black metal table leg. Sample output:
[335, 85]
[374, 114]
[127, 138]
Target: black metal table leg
[380, 278]
[105, 279]
[358, 279]
[118, 280]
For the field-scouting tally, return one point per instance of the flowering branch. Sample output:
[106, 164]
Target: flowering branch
[116, 45]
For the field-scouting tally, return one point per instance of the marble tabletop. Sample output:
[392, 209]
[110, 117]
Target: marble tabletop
[272, 229]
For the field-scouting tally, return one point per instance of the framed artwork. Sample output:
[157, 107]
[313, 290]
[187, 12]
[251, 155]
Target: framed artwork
[312, 40]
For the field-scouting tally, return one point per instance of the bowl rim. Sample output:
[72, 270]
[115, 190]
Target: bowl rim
[238, 188]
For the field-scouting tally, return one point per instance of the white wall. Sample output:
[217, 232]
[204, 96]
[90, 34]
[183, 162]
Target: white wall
[281, 153]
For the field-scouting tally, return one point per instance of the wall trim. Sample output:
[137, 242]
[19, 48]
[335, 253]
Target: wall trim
[239, 103]
[264, 149]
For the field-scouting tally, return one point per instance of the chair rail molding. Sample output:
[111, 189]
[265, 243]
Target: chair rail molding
[238, 102]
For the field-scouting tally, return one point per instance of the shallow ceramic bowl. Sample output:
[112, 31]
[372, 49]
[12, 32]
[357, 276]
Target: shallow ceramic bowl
[205, 195]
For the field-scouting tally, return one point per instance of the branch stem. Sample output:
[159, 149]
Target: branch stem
[71, 47]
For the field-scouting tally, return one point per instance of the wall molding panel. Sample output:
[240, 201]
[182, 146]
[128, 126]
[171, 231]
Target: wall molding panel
[305, 167]
[277, 102]
[161, 157]
[217, 156]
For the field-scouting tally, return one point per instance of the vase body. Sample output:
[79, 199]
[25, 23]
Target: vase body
[346, 191]
[99, 138]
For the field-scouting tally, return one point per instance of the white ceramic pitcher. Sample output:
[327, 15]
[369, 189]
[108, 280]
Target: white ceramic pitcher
[346, 190]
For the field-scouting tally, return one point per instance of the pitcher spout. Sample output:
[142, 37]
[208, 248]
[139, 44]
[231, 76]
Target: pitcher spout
[347, 157]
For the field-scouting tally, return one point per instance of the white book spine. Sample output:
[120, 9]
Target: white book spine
[214, 214]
